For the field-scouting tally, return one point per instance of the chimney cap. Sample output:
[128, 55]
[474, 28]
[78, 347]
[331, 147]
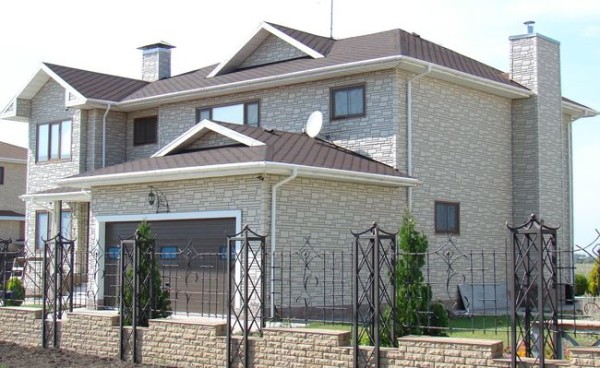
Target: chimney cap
[157, 45]
[529, 25]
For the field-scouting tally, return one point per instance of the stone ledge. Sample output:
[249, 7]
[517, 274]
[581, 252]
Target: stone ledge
[549, 363]
[191, 321]
[308, 330]
[585, 350]
[37, 312]
[450, 340]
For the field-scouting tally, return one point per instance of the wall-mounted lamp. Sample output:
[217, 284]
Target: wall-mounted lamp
[158, 197]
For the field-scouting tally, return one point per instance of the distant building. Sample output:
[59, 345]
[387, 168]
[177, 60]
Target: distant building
[13, 176]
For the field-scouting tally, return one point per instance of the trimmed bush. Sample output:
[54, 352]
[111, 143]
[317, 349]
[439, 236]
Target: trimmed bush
[581, 284]
[15, 287]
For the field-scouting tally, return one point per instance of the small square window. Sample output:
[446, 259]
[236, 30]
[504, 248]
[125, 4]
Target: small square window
[447, 217]
[145, 130]
[347, 102]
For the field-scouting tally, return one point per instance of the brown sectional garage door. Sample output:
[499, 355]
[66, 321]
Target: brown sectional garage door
[192, 260]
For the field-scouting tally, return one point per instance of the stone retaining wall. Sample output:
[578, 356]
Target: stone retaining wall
[199, 342]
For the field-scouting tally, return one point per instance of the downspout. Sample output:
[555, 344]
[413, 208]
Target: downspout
[409, 148]
[571, 204]
[108, 106]
[274, 232]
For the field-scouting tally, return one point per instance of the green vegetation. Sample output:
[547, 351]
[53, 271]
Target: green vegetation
[581, 284]
[15, 286]
[415, 308]
[152, 299]
[594, 280]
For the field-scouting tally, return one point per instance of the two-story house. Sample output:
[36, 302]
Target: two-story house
[406, 123]
[13, 174]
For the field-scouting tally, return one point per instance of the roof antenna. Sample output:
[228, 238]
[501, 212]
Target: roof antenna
[331, 20]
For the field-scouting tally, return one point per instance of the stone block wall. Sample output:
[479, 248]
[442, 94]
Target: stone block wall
[271, 50]
[197, 342]
[21, 326]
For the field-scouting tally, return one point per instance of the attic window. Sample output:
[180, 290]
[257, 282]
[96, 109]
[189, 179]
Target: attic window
[246, 113]
[145, 130]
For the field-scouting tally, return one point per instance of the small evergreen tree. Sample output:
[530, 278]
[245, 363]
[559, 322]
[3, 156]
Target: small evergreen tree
[152, 299]
[594, 279]
[412, 295]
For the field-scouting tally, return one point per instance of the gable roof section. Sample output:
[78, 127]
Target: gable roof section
[97, 86]
[280, 153]
[307, 43]
[12, 153]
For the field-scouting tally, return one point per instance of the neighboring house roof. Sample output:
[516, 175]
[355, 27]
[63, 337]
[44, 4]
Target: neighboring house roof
[12, 153]
[4, 213]
[280, 152]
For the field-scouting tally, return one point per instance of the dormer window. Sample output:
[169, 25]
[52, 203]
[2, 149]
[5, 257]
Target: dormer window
[246, 113]
[53, 141]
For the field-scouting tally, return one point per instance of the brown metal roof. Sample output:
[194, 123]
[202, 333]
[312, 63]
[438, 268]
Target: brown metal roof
[12, 152]
[5, 213]
[280, 147]
[318, 43]
[97, 85]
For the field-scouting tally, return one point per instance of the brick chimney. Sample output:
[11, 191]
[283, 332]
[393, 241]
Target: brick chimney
[156, 61]
[540, 148]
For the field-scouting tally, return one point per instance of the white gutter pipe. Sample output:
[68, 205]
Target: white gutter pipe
[274, 232]
[104, 135]
[409, 146]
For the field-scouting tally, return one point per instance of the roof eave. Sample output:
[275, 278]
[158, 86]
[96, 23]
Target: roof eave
[578, 111]
[387, 62]
[75, 196]
[250, 168]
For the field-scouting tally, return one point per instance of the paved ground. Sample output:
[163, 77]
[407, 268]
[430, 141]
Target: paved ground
[14, 356]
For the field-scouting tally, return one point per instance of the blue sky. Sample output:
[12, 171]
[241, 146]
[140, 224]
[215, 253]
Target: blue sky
[104, 38]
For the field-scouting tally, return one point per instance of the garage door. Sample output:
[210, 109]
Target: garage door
[192, 261]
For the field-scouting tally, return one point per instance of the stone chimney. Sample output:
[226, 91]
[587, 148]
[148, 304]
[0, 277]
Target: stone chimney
[540, 148]
[156, 61]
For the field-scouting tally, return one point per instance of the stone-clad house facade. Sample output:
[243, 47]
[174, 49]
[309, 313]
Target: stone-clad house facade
[414, 125]
[13, 173]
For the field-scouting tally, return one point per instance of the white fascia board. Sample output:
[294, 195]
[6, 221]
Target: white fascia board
[13, 160]
[295, 43]
[196, 131]
[578, 111]
[12, 218]
[76, 196]
[500, 88]
[248, 168]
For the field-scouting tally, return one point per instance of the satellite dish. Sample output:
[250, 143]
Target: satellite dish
[314, 124]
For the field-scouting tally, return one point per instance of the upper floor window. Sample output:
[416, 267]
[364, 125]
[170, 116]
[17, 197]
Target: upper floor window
[145, 130]
[348, 101]
[53, 141]
[1, 175]
[246, 113]
[447, 217]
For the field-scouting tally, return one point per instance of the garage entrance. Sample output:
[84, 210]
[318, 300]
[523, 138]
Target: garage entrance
[192, 257]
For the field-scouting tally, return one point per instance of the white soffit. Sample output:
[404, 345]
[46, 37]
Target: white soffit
[199, 130]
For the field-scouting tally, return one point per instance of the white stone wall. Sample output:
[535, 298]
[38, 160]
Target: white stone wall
[462, 153]
[271, 50]
[288, 108]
